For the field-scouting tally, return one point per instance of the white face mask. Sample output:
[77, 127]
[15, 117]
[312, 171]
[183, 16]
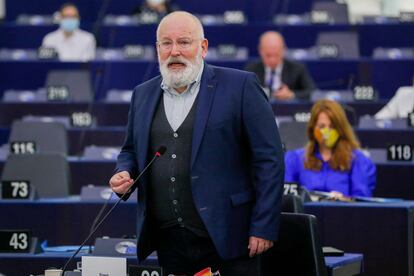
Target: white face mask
[69, 24]
[155, 2]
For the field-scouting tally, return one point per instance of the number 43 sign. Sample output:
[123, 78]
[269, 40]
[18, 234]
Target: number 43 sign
[15, 241]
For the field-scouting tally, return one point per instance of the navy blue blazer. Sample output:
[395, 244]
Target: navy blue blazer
[237, 164]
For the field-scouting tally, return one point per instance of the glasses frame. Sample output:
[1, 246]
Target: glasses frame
[185, 44]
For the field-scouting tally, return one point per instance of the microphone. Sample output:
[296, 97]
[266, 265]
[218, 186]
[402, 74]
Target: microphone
[98, 217]
[161, 150]
[352, 111]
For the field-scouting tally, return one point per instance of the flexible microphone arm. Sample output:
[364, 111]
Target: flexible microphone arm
[161, 150]
[98, 217]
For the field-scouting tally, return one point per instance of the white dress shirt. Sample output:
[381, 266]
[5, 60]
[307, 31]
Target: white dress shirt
[178, 105]
[399, 106]
[79, 46]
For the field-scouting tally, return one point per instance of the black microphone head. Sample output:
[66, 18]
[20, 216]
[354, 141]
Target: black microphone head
[161, 150]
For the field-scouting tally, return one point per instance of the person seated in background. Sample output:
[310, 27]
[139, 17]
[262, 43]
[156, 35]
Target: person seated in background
[331, 161]
[2, 9]
[70, 42]
[284, 79]
[160, 7]
[400, 105]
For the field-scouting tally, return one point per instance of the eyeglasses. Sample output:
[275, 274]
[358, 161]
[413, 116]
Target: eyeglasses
[182, 44]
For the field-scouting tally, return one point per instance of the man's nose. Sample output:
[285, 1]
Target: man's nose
[175, 51]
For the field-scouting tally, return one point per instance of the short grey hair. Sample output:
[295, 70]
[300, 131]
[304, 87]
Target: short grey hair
[195, 18]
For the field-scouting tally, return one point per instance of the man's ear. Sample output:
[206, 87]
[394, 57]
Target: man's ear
[204, 47]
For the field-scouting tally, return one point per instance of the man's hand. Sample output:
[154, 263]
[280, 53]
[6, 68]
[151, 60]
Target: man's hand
[121, 182]
[283, 93]
[258, 246]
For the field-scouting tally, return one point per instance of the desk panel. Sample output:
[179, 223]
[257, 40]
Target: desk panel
[67, 221]
[385, 75]
[114, 137]
[382, 232]
[393, 179]
[36, 264]
[117, 114]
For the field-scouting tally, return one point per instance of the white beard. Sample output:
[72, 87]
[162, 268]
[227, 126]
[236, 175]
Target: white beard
[183, 77]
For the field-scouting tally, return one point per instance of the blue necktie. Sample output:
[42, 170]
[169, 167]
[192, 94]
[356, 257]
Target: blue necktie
[272, 77]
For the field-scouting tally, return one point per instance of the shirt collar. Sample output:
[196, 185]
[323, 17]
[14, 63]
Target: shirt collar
[192, 84]
[62, 33]
[278, 69]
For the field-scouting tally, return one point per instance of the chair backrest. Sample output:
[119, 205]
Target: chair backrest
[4, 151]
[347, 43]
[47, 172]
[50, 137]
[298, 250]
[78, 83]
[292, 204]
[338, 12]
[293, 134]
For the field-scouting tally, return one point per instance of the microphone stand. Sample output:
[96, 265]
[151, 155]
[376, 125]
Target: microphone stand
[160, 152]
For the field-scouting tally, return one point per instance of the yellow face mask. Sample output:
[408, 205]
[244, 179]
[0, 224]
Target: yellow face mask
[326, 136]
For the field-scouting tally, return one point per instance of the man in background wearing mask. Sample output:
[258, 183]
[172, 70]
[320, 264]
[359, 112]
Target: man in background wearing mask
[71, 43]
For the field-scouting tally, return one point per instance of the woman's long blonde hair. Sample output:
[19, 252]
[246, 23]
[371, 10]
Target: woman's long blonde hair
[347, 142]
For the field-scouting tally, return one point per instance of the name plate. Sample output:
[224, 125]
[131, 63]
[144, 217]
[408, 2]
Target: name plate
[410, 119]
[291, 189]
[15, 241]
[142, 270]
[330, 51]
[227, 50]
[57, 93]
[234, 17]
[407, 16]
[81, 119]
[400, 152]
[46, 53]
[23, 147]
[302, 117]
[104, 266]
[16, 189]
[364, 93]
[320, 17]
[149, 18]
[134, 51]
